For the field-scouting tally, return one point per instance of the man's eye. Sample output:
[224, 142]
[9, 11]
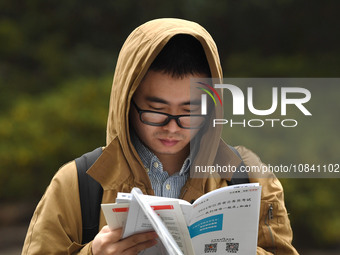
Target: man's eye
[156, 108]
[194, 109]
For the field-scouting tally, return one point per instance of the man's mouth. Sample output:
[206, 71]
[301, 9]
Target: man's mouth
[169, 142]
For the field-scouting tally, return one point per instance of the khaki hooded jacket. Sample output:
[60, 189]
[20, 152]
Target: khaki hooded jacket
[56, 226]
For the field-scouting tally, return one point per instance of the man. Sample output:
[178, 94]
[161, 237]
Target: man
[150, 127]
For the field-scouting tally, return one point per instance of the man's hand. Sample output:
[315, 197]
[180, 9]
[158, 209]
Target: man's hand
[108, 242]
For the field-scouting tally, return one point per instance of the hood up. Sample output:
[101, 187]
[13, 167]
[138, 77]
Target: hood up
[138, 52]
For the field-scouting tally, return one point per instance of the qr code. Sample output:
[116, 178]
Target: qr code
[212, 247]
[232, 247]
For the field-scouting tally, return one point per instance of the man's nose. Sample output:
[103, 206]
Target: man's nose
[172, 126]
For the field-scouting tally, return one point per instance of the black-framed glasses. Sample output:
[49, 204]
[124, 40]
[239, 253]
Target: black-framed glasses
[153, 118]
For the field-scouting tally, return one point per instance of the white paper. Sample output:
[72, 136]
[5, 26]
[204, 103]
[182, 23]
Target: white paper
[115, 214]
[220, 222]
[226, 222]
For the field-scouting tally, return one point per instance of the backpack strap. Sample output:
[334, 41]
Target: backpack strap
[90, 193]
[238, 177]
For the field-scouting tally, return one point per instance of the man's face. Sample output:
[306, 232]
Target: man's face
[162, 93]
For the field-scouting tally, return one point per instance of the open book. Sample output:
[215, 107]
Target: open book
[222, 221]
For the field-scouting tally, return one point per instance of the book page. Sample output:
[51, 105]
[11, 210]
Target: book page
[115, 214]
[186, 207]
[226, 220]
[170, 213]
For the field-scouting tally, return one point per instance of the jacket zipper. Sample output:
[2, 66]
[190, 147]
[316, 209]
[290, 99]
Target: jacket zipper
[268, 218]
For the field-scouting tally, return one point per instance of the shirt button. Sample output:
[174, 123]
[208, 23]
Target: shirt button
[168, 186]
[147, 169]
[155, 164]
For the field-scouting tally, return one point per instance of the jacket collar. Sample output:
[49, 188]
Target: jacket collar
[224, 157]
[112, 169]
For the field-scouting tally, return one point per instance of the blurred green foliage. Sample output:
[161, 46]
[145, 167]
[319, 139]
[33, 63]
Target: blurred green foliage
[40, 133]
[57, 60]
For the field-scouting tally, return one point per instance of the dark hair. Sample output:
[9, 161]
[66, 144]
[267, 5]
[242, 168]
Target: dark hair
[182, 55]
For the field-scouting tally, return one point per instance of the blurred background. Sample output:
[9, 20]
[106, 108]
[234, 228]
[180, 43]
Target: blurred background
[57, 60]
